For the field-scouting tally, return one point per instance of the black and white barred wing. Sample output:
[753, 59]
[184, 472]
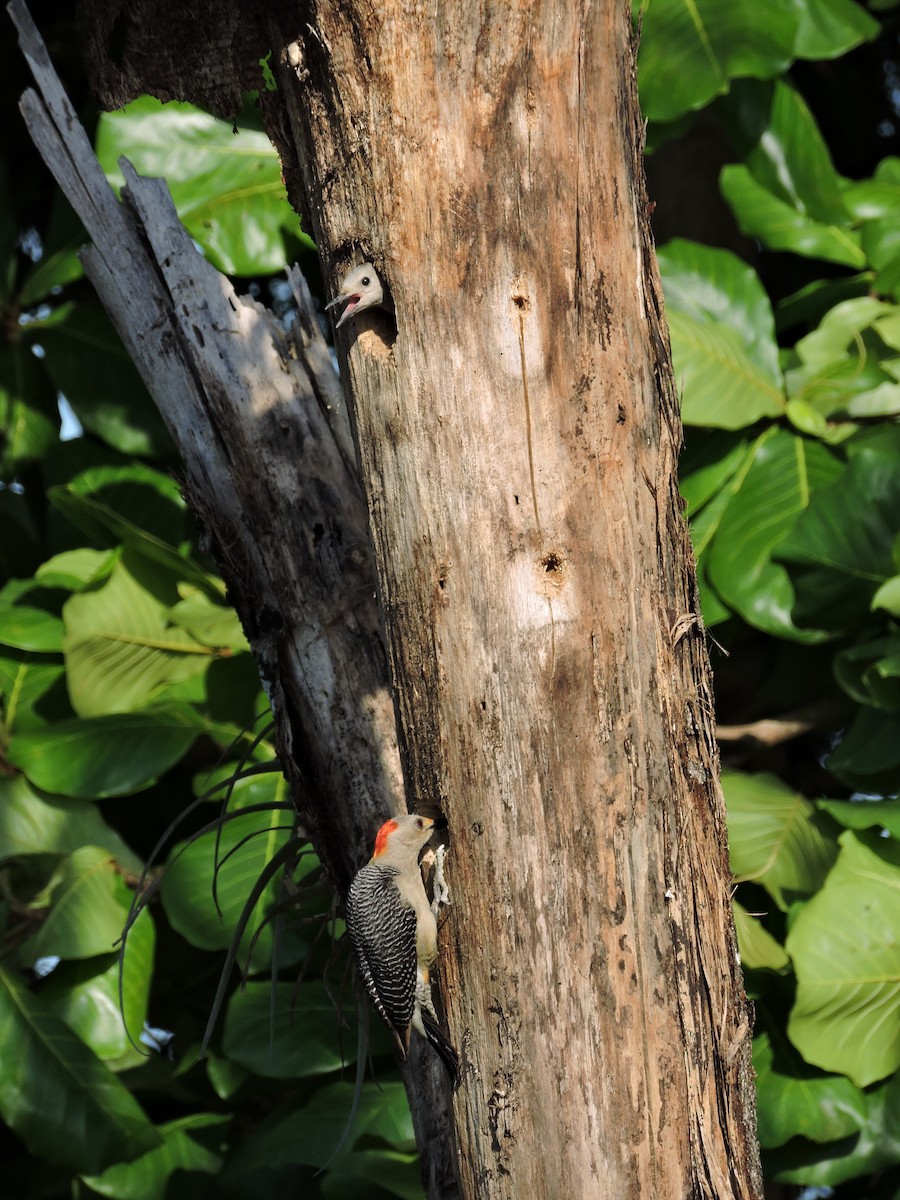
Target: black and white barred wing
[382, 929]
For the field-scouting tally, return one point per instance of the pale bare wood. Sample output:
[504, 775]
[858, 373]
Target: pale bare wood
[518, 443]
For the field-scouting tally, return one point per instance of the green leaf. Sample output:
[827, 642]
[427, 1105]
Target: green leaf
[848, 531]
[711, 607]
[845, 945]
[32, 823]
[29, 418]
[226, 1077]
[807, 419]
[100, 521]
[758, 949]
[209, 624]
[767, 495]
[848, 364]
[32, 691]
[192, 1144]
[706, 465]
[780, 226]
[705, 525]
[59, 263]
[723, 337]
[85, 995]
[851, 525]
[806, 307]
[888, 596]
[880, 401]
[397, 1174]
[870, 672]
[690, 51]
[285, 1049]
[865, 814]
[132, 502]
[29, 617]
[88, 364]
[105, 756]
[868, 755]
[121, 648]
[787, 192]
[774, 838]
[795, 1101]
[831, 27]
[88, 908]
[784, 150]
[307, 1134]
[57, 1096]
[74, 569]
[227, 188]
[876, 1146]
[188, 883]
[839, 332]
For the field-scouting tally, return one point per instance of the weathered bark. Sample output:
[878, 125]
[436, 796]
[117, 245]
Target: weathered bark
[518, 441]
[237, 392]
[518, 444]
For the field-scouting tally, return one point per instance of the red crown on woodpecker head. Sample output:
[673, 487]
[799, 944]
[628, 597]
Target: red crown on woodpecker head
[384, 833]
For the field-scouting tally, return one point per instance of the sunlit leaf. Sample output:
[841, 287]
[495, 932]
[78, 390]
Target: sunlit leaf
[774, 838]
[774, 486]
[105, 756]
[29, 617]
[121, 648]
[85, 995]
[192, 887]
[781, 226]
[723, 337]
[88, 908]
[227, 188]
[691, 51]
[758, 949]
[845, 946]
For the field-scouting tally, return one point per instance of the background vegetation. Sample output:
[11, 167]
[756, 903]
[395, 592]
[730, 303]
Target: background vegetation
[127, 693]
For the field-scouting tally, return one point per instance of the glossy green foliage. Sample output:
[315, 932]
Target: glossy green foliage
[128, 703]
[692, 50]
[791, 478]
[227, 186]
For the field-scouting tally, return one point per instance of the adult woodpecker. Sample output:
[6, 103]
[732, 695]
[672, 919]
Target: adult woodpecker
[360, 289]
[394, 935]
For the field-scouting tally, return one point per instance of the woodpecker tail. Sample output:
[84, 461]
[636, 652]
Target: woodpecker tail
[441, 1046]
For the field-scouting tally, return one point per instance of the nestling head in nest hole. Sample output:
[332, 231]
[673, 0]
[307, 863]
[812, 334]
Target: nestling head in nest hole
[360, 289]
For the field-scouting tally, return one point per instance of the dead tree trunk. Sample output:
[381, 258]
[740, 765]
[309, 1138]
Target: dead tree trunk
[518, 435]
[518, 443]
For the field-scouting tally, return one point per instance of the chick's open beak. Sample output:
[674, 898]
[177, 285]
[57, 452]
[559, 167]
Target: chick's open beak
[351, 300]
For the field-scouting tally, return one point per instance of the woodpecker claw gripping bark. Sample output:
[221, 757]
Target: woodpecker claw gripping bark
[394, 935]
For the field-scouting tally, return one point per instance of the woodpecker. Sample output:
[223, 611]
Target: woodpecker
[360, 289]
[394, 935]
